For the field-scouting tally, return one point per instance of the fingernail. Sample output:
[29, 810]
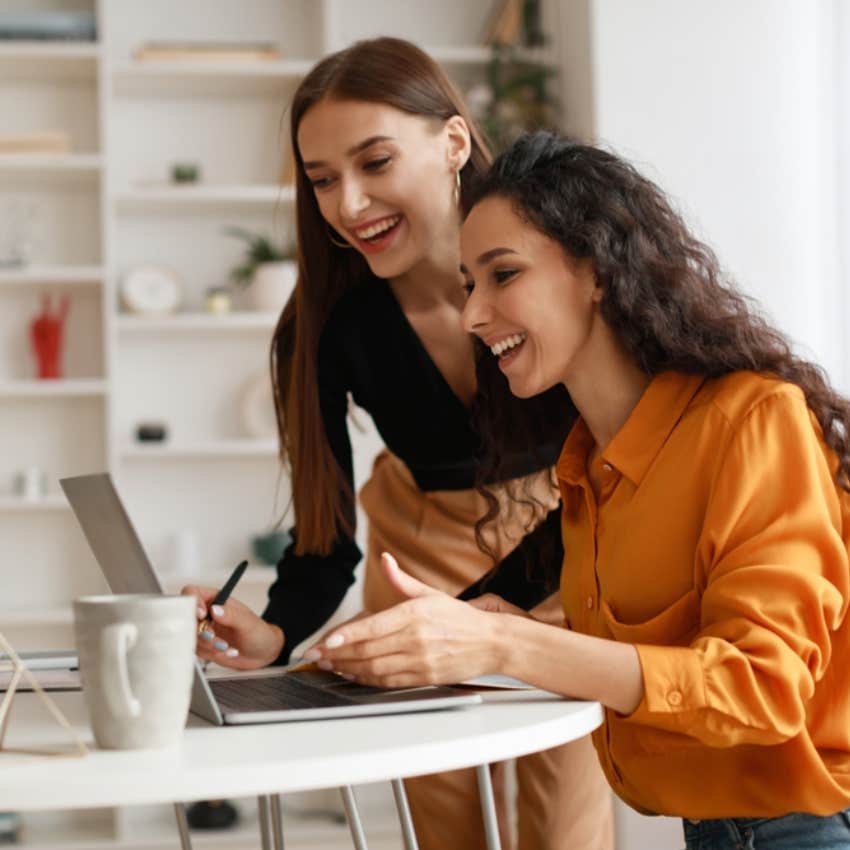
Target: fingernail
[348, 676]
[220, 644]
[200, 612]
[324, 664]
[205, 635]
[312, 655]
[334, 641]
[217, 610]
[232, 652]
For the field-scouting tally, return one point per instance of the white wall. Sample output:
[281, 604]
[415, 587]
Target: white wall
[740, 111]
[732, 107]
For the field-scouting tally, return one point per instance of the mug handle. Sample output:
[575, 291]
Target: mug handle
[115, 640]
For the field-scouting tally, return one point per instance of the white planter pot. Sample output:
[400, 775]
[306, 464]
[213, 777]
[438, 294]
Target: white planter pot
[272, 284]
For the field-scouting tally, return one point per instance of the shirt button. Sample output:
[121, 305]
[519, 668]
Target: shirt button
[607, 467]
[674, 698]
[589, 602]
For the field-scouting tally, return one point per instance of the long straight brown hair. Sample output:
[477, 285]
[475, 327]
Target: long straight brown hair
[382, 71]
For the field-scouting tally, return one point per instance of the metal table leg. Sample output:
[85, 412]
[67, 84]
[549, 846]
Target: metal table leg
[407, 831]
[183, 826]
[488, 808]
[353, 815]
[265, 821]
[277, 825]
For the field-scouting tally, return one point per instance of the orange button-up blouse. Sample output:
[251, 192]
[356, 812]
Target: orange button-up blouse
[719, 548]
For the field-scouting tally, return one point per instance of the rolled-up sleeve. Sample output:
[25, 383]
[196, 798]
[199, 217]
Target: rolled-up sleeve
[775, 574]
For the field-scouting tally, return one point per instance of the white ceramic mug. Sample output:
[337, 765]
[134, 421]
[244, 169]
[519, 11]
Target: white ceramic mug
[136, 662]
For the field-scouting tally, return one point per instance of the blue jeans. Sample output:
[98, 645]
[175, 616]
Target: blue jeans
[790, 832]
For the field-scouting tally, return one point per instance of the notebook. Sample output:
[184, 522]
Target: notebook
[270, 695]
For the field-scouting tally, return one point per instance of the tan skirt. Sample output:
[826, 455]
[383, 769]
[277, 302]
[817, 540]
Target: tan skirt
[562, 801]
[432, 535]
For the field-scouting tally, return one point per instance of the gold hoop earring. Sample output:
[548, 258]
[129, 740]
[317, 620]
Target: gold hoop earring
[330, 232]
[457, 188]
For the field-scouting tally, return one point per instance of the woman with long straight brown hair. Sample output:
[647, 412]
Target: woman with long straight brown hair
[385, 154]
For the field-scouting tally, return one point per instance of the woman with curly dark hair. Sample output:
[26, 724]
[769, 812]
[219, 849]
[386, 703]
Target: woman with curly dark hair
[706, 513]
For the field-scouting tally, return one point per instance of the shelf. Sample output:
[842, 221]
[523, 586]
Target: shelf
[201, 322]
[216, 449]
[197, 77]
[15, 504]
[464, 55]
[51, 60]
[303, 826]
[156, 198]
[49, 168]
[482, 55]
[58, 388]
[49, 275]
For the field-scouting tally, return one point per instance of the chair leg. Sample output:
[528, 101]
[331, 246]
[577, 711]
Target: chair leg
[353, 816]
[265, 821]
[277, 825]
[488, 808]
[182, 826]
[408, 833]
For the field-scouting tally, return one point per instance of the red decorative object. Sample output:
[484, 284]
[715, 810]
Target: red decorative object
[46, 335]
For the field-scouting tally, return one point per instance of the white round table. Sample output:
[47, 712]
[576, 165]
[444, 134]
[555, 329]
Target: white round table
[270, 759]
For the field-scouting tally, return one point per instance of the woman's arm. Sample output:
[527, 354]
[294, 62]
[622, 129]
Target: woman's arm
[435, 639]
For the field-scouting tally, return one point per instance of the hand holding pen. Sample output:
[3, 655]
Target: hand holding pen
[229, 632]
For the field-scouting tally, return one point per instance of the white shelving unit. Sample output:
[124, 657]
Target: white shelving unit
[106, 206]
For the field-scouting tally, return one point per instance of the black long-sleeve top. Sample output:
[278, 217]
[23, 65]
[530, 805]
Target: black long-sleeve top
[368, 348]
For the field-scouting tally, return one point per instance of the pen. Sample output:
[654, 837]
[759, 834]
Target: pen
[224, 594]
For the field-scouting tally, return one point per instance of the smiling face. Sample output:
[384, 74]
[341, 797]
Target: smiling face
[384, 180]
[533, 305]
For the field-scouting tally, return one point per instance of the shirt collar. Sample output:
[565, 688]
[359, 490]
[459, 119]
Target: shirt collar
[635, 446]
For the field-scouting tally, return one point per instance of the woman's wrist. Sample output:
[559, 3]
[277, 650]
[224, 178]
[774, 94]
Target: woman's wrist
[504, 656]
[276, 642]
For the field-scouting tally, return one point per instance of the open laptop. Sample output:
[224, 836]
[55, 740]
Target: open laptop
[268, 698]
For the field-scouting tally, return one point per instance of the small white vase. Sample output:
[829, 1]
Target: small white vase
[272, 284]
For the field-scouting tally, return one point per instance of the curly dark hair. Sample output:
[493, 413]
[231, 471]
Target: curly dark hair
[664, 294]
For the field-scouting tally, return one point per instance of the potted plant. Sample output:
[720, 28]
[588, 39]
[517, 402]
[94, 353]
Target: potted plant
[267, 271]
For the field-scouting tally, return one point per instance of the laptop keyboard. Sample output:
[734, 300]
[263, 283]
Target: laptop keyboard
[307, 689]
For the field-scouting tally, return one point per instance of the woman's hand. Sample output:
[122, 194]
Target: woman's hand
[496, 605]
[431, 638]
[237, 637]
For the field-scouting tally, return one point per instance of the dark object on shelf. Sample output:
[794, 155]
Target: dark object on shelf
[185, 172]
[268, 548]
[532, 24]
[10, 827]
[48, 26]
[212, 814]
[151, 432]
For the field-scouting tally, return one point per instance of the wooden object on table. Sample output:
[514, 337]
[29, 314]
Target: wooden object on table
[22, 674]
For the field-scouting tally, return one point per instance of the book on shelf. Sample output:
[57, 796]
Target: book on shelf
[53, 669]
[182, 51]
[49, 142]
[45, 659]
[45, 25]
